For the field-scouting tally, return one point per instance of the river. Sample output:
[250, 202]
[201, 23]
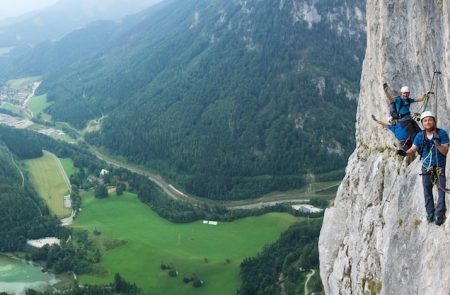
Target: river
[16, 276]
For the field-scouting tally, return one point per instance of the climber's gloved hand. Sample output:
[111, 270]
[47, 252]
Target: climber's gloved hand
[437, 140]
[401, 153]
[385, 86]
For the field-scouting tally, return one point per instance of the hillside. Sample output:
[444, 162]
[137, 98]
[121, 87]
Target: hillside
[62, 17]
[22, 214]
[53, 58]
[229, 99]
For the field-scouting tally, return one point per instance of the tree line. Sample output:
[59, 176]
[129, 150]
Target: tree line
[293, 255]
[23, 215]
[118, 286]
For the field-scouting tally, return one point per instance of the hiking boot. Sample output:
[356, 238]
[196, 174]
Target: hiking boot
[439, 220]
[430, 217]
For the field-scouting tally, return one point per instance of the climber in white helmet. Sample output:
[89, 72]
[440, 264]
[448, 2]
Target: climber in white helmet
[401, 103]
[399, 109]
[432, 144]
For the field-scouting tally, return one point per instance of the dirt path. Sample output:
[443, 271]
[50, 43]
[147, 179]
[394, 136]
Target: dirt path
[25, 102]
[68, 220]
[18, 168]
[308, 277]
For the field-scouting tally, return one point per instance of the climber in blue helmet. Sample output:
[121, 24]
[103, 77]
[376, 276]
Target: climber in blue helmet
[432, 144]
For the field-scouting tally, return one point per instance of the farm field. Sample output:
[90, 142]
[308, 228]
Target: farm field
[48, 180]
[37, 104]
[9, 106]
[144, 241]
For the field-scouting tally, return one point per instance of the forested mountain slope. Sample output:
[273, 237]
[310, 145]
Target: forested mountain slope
[239, 97]
[22, 214]
[51, 58]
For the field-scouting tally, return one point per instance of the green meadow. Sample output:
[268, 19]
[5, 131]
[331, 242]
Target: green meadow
[135, 241]
[37, 104]
[10, 107]
[67, 164]
[49, 183]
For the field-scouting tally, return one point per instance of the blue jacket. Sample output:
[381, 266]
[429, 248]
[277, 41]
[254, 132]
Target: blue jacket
[400, 132]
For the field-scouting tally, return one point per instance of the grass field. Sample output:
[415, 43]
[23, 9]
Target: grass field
[23, 82]
[37, 104]
[49, 183]
[9, 106]
[214, 253]
[67, 164]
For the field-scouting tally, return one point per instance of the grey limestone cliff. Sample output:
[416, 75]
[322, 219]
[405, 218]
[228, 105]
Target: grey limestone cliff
[375, 238]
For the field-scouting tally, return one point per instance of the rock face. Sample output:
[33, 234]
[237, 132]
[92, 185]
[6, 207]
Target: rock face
[375, 238]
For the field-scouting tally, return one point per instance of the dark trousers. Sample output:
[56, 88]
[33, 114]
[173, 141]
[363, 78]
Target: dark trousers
[427, 182]
[411, 128]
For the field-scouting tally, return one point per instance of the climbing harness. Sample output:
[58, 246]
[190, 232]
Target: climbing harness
[435, 171]
[424, 142]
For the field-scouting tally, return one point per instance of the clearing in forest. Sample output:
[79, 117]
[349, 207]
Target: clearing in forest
[49, 181]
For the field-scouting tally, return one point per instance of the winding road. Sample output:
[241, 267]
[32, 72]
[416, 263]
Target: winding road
[176, 194]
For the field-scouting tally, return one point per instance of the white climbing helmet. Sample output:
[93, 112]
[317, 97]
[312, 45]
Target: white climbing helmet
[404, 89]
[427, 114]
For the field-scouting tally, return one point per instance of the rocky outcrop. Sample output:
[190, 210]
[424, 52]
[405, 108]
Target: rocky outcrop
[375, 239]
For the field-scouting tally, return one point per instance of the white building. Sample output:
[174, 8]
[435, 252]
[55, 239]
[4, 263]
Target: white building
[307, 208]
[104, 172]
[67, 202]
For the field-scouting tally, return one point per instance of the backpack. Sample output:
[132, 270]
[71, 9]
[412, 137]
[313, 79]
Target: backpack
[393, 111]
